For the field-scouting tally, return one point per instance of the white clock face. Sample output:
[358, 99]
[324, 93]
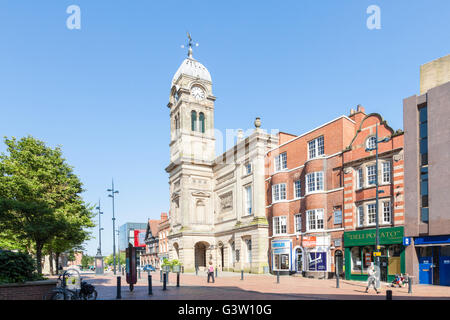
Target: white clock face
[198, 93]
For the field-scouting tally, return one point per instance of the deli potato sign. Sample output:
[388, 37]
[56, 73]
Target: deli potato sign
[368, 237]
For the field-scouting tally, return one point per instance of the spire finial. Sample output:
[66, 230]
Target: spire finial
[189, 45]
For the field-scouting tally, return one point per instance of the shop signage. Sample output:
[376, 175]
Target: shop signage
[368, 258]
[317, 261]
[376, 254]
[406, 241]
[139, 238]
[309, 241]
[368, 237]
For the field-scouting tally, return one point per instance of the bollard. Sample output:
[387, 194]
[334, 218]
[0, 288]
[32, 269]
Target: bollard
[160, 275]
[139, 273]
[216, 272]
[242, 274]
[150, 290]
[337, 280]
[196, 271]
[119, 288]
[122, 271]
[164, 281]
[278, 276]
[388, 294]
[178, 279]
[182, 269]
[409, 285]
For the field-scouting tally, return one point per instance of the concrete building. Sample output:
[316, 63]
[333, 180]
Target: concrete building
[216, 203]
[427, 175]
[127, 234]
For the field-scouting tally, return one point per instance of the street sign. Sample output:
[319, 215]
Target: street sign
[406, 241]
[377, 254]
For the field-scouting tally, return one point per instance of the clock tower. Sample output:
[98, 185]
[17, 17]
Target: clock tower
[192, 148]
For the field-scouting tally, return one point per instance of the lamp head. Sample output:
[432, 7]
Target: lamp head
[109, 190]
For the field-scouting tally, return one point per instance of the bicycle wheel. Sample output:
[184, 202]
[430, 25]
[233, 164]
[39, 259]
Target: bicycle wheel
[91, 296]
[59, 295]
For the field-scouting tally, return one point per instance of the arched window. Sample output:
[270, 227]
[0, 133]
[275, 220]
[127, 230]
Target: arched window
[193, 120]
[201, 118]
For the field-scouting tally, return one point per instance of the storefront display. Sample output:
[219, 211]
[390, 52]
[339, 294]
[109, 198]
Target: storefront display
[433, 253]
[281, 255]
[360, 248]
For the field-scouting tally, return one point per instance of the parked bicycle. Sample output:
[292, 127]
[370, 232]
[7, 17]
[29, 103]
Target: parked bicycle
[71, 287]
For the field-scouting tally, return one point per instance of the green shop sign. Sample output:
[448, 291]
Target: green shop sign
[368, 237]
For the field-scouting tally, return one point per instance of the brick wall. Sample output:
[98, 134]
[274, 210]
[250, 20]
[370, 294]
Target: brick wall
[35, 290]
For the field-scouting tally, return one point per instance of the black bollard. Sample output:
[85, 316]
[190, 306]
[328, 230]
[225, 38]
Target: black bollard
[178, 279]
[139, 273]
[216, 272]
[196, 271]
[337, 280]
[278, 276]
[164, 281]
[409, 285]
[119, 289]
[150, 290]
[242, 274]
[388, 294]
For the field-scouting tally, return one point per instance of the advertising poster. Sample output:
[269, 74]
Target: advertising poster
[139, 237]
[318, 261]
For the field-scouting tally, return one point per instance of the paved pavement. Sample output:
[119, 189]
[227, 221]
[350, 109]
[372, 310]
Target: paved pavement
[229, 286]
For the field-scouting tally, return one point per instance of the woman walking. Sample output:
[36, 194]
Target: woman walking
[372, 280]
[211, 272]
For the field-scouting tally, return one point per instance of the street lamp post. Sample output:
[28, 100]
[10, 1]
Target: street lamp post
[99, 258]
[113, 192]
[377, 241]
[118, 249]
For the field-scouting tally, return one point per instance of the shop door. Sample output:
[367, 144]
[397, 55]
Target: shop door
[435, 266]
[444, 267]
[425, 270]
[383, 269]
[299, 261]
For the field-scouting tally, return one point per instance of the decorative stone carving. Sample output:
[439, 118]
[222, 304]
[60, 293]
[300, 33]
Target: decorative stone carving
[226, 202]
[225, 177]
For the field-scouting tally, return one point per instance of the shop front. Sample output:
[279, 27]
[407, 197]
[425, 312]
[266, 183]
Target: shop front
[433, 253]
[282, 257]
[360, 248]
[317, 256]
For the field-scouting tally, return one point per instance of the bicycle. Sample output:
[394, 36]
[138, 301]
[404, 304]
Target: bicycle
[71, 292]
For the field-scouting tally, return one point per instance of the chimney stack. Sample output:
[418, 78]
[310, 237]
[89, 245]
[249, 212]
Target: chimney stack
[163, 216]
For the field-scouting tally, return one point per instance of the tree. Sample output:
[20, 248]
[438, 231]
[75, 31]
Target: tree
[109, 260]
[86, 261]
[40, 196]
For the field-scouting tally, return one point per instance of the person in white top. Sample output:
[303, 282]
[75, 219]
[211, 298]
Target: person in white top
[372, 280]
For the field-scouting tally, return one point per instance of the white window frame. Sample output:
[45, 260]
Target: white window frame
[360, 215]
[298, 223]
[278, 223]
[315, 183]
[370, 175]
[248, 200]
[280, 162]
[248, 168]
[315, 218]
[386, 172]
[387, 212]
[371, 215]
[370, 145]
[297, 189]
[278, 192]
[359, 178]
[248, 244]
[316, 147]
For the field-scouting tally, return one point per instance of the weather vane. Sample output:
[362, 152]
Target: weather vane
[189, 45]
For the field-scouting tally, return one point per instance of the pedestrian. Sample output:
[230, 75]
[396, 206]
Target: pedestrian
[211, 272]
[371, 281]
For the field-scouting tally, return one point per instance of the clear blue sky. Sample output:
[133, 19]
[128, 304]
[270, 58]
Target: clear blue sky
[101, 92]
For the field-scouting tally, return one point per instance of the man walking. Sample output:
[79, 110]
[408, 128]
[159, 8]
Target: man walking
[372, 280]
[211, 272]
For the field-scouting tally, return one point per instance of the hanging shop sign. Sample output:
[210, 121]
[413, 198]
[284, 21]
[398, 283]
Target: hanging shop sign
[309, 241]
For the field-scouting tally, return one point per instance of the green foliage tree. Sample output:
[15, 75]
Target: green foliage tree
[86, 261]
[40, 196]
[109, 260]
[17, 267]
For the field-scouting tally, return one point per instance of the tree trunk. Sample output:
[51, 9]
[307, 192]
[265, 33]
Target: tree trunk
[39, 257]
[50, 259]
[57, 262]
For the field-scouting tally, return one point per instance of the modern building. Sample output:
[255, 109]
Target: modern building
[134, 233]
[427, 176]
[216, 203]
[150, 256]
[360, 174]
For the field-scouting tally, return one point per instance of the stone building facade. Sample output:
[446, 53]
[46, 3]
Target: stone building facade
[216, 203]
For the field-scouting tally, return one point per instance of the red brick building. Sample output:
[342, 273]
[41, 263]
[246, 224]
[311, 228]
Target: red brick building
[305, 194]
[163, 233]
[151, 244]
